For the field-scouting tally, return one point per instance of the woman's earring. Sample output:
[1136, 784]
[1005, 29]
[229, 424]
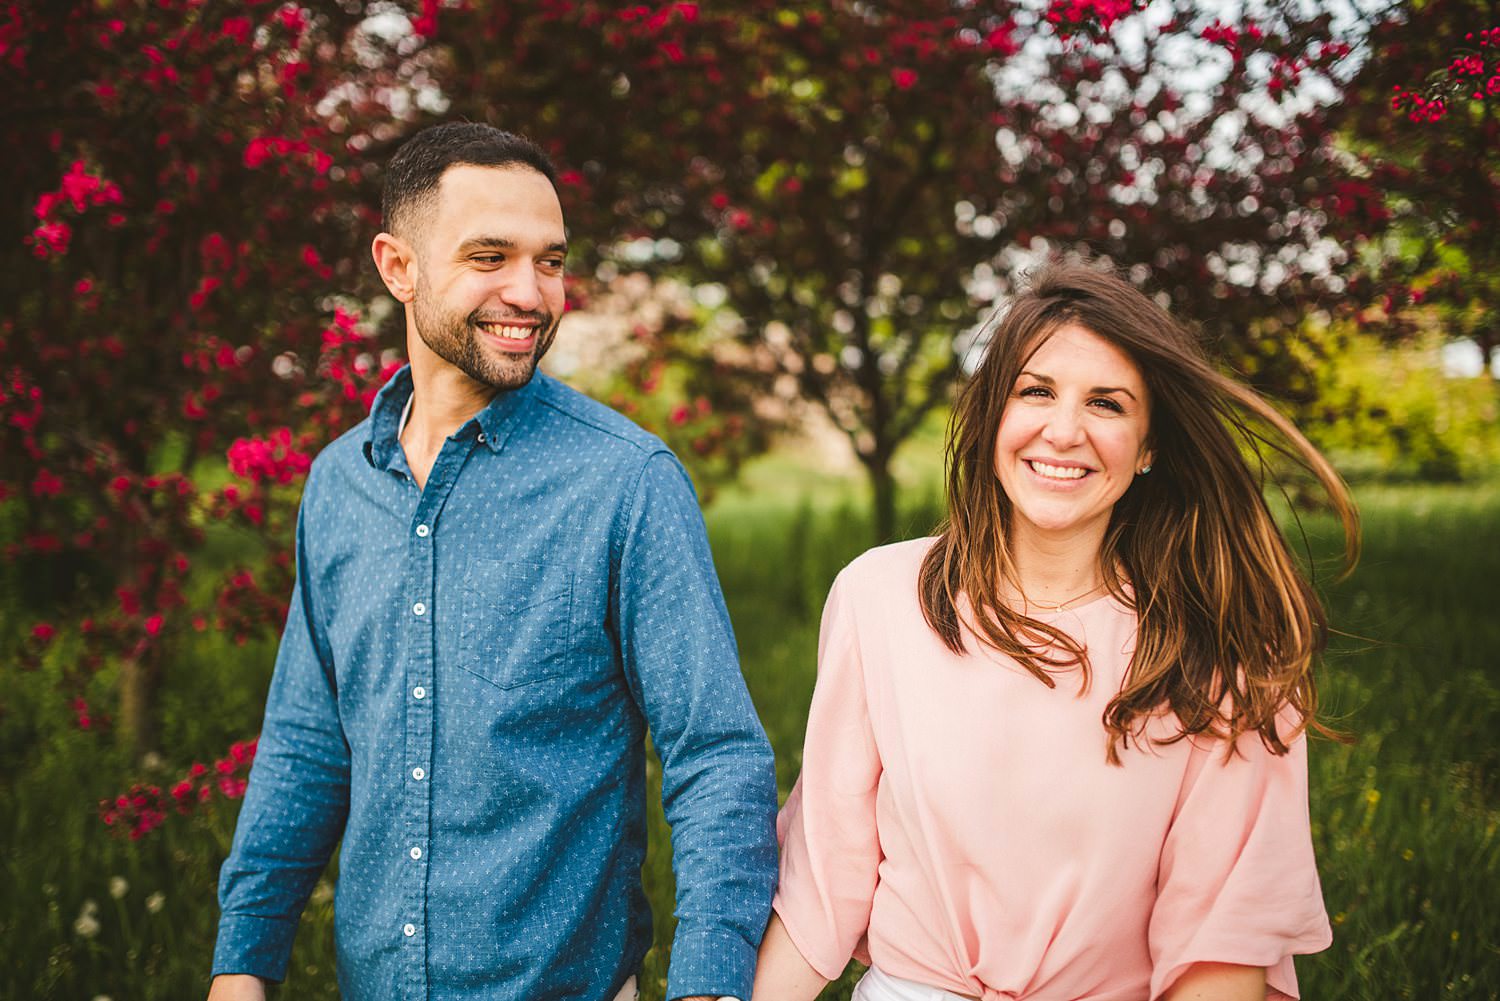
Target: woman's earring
[1145, 469]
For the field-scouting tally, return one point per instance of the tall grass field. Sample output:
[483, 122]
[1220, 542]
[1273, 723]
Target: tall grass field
[1406, 819]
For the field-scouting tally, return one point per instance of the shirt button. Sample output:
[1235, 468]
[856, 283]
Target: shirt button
[418, 774]
[409, 930]
[416, 852]
[423, 531]
[419, 609]
[419, 692]
[480, 438]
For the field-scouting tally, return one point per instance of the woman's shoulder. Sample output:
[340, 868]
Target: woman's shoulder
[894, 565]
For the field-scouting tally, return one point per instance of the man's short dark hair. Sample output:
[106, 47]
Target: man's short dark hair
[415, 171]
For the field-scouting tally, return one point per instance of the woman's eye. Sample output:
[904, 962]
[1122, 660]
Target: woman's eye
[1108, 404]
[1033, 391]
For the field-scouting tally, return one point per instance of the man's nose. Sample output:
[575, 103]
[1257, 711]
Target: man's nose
[520, 289]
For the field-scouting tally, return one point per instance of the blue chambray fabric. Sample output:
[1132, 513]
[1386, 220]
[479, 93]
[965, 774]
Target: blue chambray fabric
[462, 693]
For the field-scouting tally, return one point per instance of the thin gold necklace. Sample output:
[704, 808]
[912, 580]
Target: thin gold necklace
[1047, 607]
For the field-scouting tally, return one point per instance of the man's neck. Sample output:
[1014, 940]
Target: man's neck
[443, 400]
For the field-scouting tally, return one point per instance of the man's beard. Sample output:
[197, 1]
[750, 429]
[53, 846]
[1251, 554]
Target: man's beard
[459, 342]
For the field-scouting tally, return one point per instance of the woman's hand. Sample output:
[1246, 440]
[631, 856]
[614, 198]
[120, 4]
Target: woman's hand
[781, 974]
[1219, 982]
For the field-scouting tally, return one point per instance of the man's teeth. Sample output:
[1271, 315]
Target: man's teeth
[1058, 472]
[507, 331]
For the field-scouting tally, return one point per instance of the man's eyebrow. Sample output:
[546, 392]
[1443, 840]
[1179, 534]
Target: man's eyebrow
[474, 243]
[486, 243]
[1047, 380]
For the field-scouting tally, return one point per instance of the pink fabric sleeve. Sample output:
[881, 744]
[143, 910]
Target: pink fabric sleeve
[829, 848]
[1237, 882]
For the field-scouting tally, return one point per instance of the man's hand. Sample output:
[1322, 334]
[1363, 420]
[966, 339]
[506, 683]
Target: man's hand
[237, 987]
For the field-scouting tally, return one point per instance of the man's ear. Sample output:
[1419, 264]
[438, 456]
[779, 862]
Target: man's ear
[397, 263]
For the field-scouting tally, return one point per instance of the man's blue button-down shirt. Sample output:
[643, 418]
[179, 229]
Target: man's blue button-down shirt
[462, 692]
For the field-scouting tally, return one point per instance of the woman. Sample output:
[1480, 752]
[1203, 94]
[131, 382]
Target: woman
[1058, 751]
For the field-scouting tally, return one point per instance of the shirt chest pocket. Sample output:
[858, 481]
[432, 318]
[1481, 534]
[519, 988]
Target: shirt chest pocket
[516, 619]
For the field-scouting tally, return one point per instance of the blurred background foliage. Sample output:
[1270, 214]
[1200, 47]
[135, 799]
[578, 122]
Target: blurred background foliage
[788, 222]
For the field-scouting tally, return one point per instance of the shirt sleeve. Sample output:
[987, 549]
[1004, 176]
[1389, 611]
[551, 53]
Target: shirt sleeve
[718, 770]
[296, 803]
[830, 852]
[1237, 882]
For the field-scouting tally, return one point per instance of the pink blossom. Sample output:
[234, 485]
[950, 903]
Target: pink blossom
[271, 458]
[78, 186]
[206, 286]
[237, 28]
[47, 203]
[257, 152]
[46, 484]
[425, 24]
[292, 19]
[51, 238]
[904, 79]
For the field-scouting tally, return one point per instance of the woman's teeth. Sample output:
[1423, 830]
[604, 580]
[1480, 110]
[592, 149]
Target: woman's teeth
[1057, 472]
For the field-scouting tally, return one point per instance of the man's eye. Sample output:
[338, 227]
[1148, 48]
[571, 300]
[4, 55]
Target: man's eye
[487, 259]
[555, 263]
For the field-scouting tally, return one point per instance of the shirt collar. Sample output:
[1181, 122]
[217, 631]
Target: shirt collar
[492, 425]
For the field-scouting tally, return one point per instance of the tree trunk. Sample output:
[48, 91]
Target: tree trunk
[138, 685]
[883, 496]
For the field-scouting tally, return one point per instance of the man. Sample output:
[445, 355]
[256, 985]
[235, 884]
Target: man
[500, 585]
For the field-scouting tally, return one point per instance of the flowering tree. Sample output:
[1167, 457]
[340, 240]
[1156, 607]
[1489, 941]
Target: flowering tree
[1424, 119]
[191, 197]
[861, 181]
[856, 183]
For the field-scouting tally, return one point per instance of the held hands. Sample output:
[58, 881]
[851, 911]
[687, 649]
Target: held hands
[237, 987]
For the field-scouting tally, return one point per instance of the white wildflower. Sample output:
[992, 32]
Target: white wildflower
[86, 924]
[155, 902]
[118, 887]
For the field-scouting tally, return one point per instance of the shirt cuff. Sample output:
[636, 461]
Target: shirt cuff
[254, 945]
[710, 963]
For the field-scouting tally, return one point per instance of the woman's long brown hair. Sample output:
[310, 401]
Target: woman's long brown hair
[1229, 627]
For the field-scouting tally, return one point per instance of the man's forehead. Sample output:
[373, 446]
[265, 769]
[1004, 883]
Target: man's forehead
[464, 185]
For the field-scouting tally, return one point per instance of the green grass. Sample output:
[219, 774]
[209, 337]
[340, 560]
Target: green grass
[1406, 819]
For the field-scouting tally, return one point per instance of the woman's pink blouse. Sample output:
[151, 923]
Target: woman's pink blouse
[956, 822]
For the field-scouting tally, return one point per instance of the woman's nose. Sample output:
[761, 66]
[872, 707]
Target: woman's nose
[1064, 428]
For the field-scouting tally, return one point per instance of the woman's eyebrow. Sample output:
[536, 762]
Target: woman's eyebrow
[1047, 380]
